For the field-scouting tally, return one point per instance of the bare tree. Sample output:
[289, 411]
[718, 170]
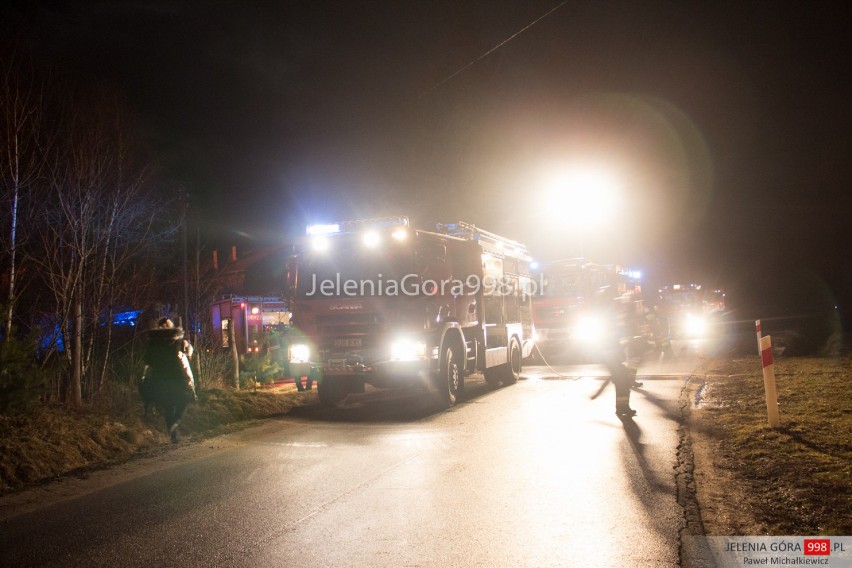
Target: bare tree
[24, 143]
[83, 225]
[99, 222]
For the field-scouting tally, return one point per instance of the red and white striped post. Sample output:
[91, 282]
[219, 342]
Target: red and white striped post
[757, 329]
[769, 381]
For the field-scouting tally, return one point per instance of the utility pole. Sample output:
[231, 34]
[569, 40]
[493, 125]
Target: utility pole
[197, 308]
[185, 204]
[235, 356]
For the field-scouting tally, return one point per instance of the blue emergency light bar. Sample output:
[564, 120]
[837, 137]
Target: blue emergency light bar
[633, 274]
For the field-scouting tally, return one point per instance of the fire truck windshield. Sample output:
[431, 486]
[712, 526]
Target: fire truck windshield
[686, 299]
[562, 284]
[348, 269]
[583, 280]
[683, 298]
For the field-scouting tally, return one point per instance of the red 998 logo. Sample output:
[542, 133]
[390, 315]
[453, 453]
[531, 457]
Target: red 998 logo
[817, 547]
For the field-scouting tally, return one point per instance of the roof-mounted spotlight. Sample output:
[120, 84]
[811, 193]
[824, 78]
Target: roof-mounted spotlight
[328, 229]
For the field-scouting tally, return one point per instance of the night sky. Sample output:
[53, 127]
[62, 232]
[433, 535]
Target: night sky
[729, 128]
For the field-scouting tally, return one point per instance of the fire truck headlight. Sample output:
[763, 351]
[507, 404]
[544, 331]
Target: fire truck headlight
[694, 325]
[299, 353]
[590, 329]
[320, 243]
[407, 350]
[372, 239]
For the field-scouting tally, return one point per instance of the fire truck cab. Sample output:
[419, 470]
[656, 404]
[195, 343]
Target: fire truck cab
[378, 302]
[691, 310]
[581, 303]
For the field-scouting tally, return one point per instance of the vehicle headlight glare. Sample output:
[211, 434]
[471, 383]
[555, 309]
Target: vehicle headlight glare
[695, 325]
[407, 350]
[299, 353]
[590, 329]
[320, 243]
[372, 239]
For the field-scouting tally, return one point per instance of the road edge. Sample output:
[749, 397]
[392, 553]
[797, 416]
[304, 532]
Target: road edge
[693, 551]
[76, 484]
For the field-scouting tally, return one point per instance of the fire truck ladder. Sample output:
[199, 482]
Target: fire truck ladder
[471, 232]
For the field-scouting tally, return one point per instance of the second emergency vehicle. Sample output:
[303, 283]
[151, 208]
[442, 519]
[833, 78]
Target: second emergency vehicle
[378, 302]
[582, 304]
[691, 310]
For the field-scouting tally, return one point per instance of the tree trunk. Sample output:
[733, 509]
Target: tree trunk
[107, 348]
[235, 356]
[10, 293]
[76, 391]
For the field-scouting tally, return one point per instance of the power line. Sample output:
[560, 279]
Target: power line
[493, 49]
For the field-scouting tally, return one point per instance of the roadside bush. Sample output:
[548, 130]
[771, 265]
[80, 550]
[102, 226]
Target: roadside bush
[23, 382]
[258, 368]
[212, 366]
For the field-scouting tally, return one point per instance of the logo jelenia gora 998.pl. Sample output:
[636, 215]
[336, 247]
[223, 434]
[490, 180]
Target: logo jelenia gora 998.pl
[414, 285]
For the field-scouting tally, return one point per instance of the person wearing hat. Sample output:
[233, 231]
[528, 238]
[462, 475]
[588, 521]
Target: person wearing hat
[168, 382]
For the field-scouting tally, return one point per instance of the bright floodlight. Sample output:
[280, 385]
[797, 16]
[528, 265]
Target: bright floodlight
[584, 196]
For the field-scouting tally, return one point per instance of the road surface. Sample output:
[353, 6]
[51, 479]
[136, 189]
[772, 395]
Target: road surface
[541, 473]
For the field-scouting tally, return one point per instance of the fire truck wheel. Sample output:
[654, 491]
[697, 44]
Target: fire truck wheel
[450, 378]
[494, 376]
[512, 372]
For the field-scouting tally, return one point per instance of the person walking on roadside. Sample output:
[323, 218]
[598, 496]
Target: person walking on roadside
[168, 382]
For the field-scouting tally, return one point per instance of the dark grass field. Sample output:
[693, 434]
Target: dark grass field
[795, 479]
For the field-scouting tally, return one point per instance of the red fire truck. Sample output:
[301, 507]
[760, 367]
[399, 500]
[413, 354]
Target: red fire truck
[378, 302]
[691, 310]
[580, 300]
[251, 317]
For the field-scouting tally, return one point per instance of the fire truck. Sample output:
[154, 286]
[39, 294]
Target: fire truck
[378, 302]
[691, 310]
[581, 303]
[251, 318]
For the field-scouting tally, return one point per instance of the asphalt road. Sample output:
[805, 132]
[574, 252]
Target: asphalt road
[541, 473]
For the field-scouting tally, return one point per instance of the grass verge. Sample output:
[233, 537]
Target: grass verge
[57, 440]
[792, 480]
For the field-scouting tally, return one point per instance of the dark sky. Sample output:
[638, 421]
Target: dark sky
[729, 125]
